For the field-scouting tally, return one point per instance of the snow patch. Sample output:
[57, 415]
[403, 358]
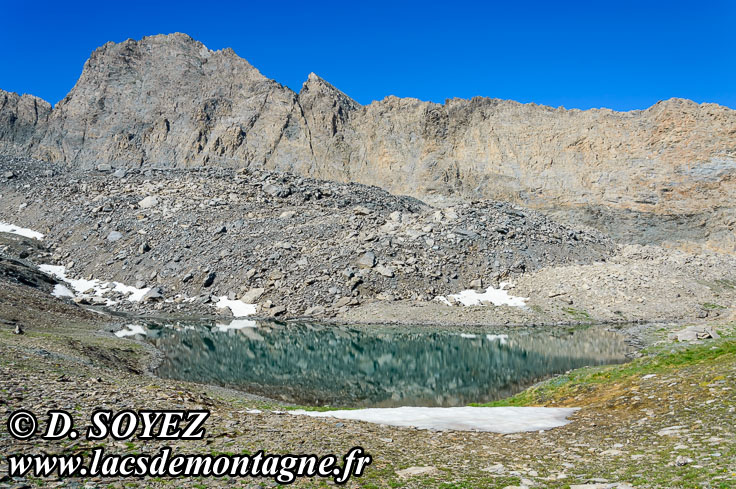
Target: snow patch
[497, 297]
[135, 294]
[132, 330]
[237, 307]
[443, 299]
[78, 285]
[28, 233]
[61, 291]
[494, 419]
[98, 287]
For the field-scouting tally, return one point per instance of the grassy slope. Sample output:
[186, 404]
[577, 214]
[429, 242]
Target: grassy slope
[656, 360]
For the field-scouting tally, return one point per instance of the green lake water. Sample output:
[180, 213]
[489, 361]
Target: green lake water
[315, 364]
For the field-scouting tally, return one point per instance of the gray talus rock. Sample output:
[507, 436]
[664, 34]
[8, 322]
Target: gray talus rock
[385, 271]
[367, 260]
[252, 296]
[276, 190]
[695, 333]
[148, 202]
[153, 295]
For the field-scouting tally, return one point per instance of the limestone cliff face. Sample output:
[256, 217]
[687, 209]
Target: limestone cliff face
[169, 101]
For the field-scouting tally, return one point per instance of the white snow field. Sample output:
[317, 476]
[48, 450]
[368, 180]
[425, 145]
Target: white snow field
[237, 307]
[12, 229]
[81, 285]
[497, 297]
[494, 419]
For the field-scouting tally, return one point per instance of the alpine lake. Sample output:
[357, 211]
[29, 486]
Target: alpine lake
[373, 366]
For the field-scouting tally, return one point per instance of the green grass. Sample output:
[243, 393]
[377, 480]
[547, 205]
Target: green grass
[658, 361]
[578, 315]
[711, 306]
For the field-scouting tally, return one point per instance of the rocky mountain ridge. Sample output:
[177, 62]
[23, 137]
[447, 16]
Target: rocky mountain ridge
[168, 101]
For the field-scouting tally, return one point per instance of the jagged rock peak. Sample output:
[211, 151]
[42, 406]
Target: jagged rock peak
[317, 86]
[166, 50]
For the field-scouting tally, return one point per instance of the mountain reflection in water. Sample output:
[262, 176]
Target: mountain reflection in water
[358, 367]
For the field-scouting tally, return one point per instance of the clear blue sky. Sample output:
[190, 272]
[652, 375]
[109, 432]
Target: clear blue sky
[619, 54]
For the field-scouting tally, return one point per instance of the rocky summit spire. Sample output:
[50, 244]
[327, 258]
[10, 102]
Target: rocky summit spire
[315, 86]
[327, 109]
